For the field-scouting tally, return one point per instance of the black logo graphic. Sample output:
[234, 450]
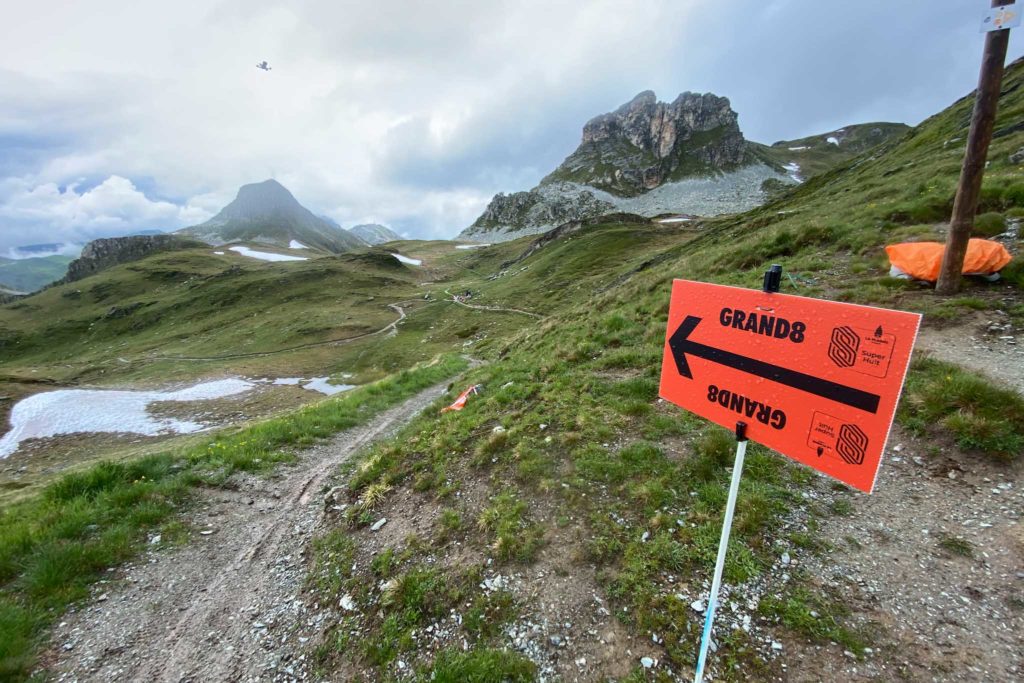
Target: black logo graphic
[844, 346]
[852, 444]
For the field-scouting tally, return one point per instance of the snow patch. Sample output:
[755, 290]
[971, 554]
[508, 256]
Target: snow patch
[74, 411]
[793, 169]
[673, 220]
[219, 253]
[832, 140]
[266, 255]
[295, 244]
[471, 246]
[406, 259]
[322, 385]
[798, 149]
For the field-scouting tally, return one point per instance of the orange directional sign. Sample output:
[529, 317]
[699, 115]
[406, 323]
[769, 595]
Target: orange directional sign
[816, 380]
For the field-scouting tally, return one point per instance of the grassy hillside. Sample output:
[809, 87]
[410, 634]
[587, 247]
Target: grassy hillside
[815, 154]
[568, 465]
[28, 275]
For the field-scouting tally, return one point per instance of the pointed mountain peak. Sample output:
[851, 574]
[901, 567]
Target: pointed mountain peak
[269, 195]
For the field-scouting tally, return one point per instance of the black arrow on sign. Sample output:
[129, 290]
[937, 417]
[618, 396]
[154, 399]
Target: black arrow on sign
[682, 345]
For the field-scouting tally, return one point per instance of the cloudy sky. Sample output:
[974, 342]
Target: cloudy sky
[119, 116]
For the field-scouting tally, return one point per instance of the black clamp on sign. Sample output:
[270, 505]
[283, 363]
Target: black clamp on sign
[741, 431]
[773, 278]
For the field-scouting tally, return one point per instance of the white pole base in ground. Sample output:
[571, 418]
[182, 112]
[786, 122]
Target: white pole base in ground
[723, 546]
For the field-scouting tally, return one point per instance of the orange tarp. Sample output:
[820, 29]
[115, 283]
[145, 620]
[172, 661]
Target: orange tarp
[922, 260]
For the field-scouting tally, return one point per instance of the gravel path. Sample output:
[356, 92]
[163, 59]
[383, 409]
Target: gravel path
[226, 605]
[986, 343]
[932, 565]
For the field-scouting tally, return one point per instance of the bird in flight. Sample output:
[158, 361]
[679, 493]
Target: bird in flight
[263, 65]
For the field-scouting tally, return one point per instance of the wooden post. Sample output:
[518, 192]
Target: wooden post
[965, 205]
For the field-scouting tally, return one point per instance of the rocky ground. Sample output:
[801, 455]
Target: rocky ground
[932, 564]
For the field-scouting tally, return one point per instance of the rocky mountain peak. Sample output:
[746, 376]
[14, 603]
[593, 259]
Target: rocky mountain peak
[268, 213]
[374, 233]
[259, 199]
[661, 129]
[646, 143]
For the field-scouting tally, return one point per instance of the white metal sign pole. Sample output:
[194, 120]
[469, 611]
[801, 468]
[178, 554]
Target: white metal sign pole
[723, 547]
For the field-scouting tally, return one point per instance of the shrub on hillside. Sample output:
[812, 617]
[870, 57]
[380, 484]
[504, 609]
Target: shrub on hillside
[989, 224]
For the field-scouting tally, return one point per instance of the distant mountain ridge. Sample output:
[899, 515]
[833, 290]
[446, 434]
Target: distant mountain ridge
[31, 274]
[649, 158]
[374, 233]
[268, 213]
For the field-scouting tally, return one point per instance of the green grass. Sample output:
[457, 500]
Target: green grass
[28, 275]
[980, 416]
[814, 617]
[54, 547]
[194, 303]
[956, 545]
[479, 666]
[507, 524]
[989, 224]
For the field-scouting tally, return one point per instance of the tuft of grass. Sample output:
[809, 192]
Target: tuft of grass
[480, 665]
[513, 535]
[841, 507]
[989, 224]
[956, 545]
[815, 617]
[980, 415]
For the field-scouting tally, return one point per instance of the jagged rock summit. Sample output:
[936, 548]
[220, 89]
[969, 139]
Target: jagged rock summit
[645, 143]
[268, 213]
[647, 157]
[374, 233]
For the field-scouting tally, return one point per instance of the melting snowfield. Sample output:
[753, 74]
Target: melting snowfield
[321, 384]
[266, 255]
[325, 387]
[295, 244]
[471, 246]
[73, 411]
[406, 259]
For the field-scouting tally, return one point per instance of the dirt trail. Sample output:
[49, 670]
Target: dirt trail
[495, 309]
[226, 605]
[986, 343]
[255, 354]
[931, 566]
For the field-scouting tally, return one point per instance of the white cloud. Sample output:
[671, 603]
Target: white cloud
[411, 113]
[48, 213]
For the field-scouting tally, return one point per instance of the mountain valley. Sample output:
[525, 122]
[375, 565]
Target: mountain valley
[563, 524]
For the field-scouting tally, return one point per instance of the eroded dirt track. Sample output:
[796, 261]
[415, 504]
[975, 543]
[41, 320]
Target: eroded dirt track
[225, 606]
